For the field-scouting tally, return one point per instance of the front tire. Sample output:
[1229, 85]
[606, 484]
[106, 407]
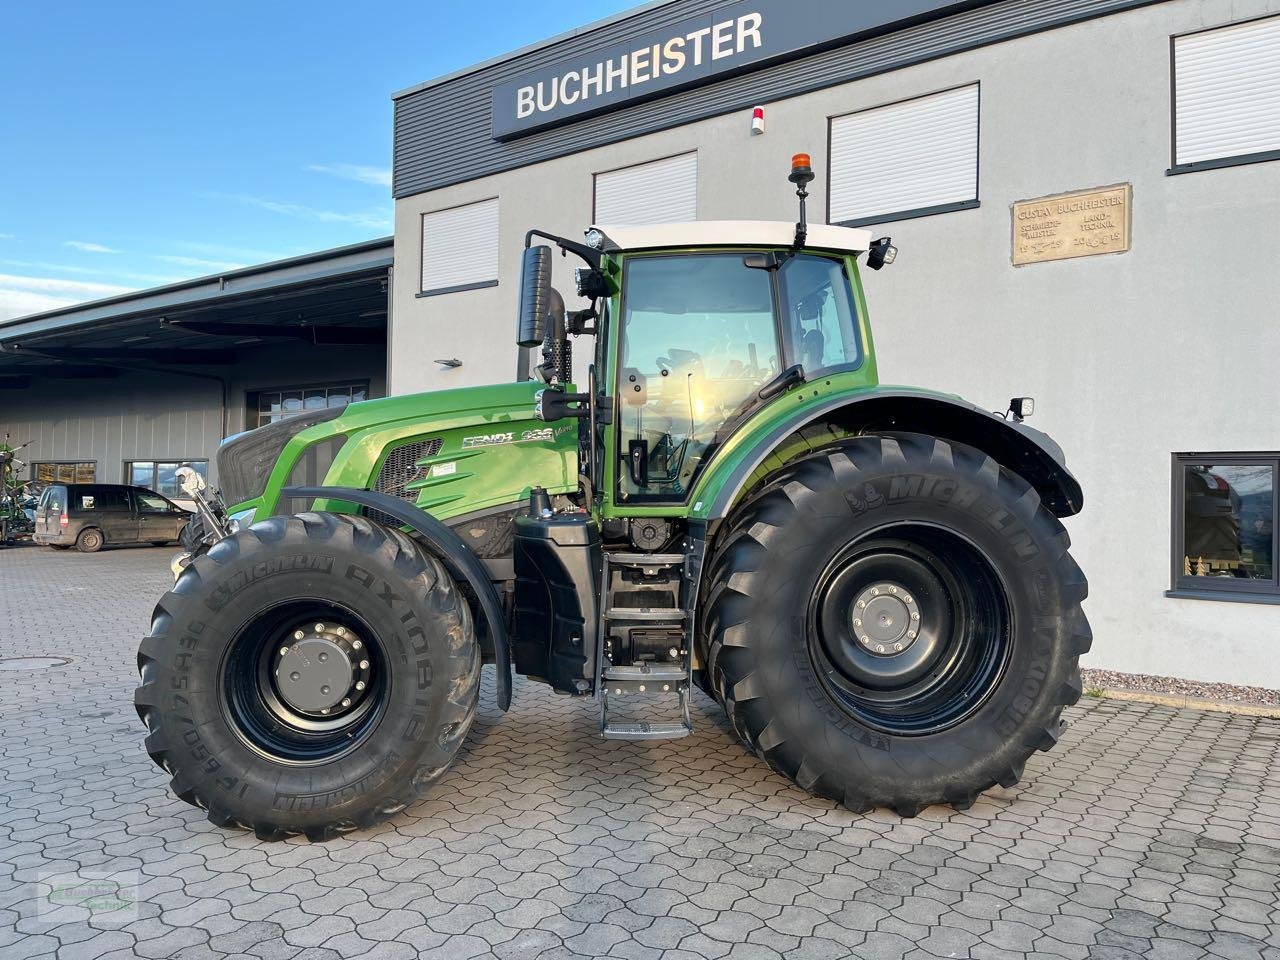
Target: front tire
[895, 621]
[310, 675]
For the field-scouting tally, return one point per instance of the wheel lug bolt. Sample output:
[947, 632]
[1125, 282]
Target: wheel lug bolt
[905, 598]
[283, 651]
[862, 603]
[346, 701]
[666, 687]
[319, 628]
[642, 688]
[364, 664]
[879, 648]
[893, 589]
[355, 644]
[857, 623]
[325, 710]
[915, 616]
[359, 684]
[298, 635]
[342, 631]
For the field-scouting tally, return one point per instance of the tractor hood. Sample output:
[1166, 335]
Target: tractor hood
[448, 451]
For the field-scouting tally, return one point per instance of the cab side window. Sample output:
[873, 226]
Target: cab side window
[821, 321]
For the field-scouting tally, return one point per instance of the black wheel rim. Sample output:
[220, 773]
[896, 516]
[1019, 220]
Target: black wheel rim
[304, 682]
[910, 629]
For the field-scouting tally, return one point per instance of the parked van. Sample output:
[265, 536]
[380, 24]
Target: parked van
[87, 515]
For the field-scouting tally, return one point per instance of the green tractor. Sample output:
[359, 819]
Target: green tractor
[872, 581]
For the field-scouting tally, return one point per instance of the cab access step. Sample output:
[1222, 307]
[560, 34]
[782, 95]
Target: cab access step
[644, 655]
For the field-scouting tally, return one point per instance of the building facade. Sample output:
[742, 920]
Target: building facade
[1085, 194]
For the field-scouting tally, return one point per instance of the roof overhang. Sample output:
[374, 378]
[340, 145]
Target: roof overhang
[732, 233]
[334, 298]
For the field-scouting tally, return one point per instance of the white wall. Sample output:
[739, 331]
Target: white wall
[1170, 347]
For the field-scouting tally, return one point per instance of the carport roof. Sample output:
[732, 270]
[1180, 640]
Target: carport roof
[331, 297]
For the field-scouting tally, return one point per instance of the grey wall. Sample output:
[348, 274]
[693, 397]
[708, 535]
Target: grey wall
[1169, 347]
[155, 416]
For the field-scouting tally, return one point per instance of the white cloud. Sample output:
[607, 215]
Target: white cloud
[200, 263]
[86, 247]
[150, 279]
[374, 219]
[375, 176]
[21, 295]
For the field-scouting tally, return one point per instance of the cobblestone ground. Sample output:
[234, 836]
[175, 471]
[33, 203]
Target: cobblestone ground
[1149, 832]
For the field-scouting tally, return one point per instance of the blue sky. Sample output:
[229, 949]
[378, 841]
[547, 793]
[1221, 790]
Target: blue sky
[143, 143]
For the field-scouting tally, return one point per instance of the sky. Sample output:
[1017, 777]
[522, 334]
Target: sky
[144, 143]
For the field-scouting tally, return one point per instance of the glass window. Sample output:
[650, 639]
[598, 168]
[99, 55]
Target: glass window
[821, 319]
[162, 475]
[64, 471]
[270, 406]
[1225, 538]
[698, 339]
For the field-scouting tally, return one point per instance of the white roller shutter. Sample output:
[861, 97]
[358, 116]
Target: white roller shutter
[905, 157]
[460, 247]
[664, 191]
[1227, 91]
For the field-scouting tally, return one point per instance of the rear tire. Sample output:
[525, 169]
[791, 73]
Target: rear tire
[268, 738]
[973, 637]
[89, 540]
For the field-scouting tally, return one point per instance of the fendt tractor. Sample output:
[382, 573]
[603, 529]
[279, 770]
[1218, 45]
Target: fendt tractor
[872, 581]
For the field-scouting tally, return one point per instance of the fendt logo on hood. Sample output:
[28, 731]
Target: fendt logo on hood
[526, 436]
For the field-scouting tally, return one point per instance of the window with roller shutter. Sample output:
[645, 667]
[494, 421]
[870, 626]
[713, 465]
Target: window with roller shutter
[661, 191]
[1226, 96]
[460, 248]
[908, 159]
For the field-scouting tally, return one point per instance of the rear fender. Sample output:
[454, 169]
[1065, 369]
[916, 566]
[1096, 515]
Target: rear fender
[1026, 451]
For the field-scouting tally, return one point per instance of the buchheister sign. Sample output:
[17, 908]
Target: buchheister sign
[729, 39]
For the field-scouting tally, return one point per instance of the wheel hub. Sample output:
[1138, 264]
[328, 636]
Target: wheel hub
[886, 619]
[322, 668]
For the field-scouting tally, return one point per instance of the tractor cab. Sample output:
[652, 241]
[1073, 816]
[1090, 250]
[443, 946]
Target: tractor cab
[698, 327]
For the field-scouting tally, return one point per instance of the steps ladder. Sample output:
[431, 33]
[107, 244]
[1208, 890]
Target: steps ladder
[646, 681]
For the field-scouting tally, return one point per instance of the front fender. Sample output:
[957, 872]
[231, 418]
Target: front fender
[1022, 449]
[451, 550]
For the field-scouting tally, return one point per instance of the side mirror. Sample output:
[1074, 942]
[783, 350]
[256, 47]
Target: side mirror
[535, 296]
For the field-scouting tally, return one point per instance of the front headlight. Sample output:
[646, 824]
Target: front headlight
[239, 520]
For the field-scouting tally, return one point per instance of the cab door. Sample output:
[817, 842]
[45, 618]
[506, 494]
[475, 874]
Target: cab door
[698, 337]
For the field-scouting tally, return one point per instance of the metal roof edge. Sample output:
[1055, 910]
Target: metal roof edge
[170, 295]
[531, 47]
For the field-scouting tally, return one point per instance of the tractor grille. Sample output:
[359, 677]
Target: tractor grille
[399, 469]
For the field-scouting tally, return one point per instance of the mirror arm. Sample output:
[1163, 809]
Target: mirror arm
[592, 257]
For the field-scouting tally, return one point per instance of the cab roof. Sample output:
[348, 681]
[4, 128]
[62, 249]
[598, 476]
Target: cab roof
[732, 233]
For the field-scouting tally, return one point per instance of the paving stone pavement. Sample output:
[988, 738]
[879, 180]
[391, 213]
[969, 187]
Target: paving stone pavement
[1148, 832]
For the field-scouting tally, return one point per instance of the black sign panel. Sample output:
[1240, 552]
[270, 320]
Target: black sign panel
[730, 39]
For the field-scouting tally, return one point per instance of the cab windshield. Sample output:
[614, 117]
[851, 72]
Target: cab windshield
[701, 334]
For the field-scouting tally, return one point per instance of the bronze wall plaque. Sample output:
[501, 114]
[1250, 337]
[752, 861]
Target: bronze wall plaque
[1066, 225]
